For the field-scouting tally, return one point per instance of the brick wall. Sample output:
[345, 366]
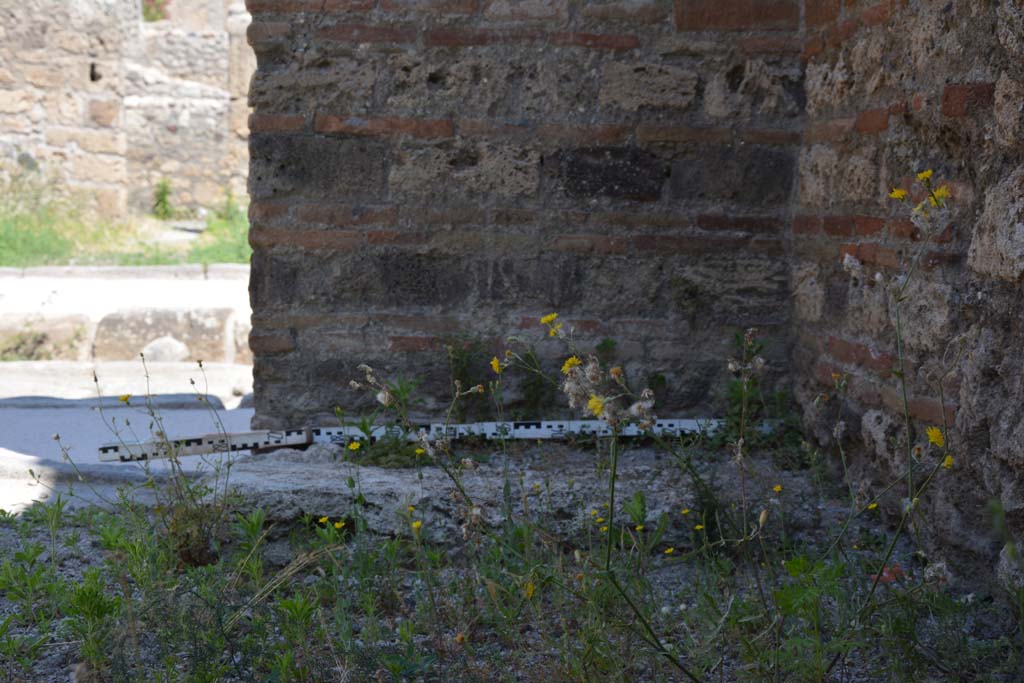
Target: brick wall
[662, 174]
[425, 169]
[893, 88]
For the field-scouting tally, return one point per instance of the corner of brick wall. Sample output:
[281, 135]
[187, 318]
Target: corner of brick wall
[892, 88]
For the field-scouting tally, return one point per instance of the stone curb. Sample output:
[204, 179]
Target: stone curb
[220, 271]
[158, 401]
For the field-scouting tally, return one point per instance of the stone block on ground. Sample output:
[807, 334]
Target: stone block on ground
[125, 334]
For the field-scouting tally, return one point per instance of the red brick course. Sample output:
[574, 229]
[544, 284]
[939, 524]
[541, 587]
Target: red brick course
[409, 344]
[628, 11]
[352, 125]
[967, 98]
[287, 6]
[661, 133]
[345, 214]
[271, 343]
[431, 6]
[854, 353]
[818, 12]
[596, 41]
[328, 240]
[872, 121]
[364, 33]
[737, 15]
[277, 123]
[444, 37]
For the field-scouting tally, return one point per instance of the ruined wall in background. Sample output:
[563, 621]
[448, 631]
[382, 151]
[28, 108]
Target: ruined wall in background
[182, 104]
[428, 169]
[111, 104]
[894, 88]
[60, 91]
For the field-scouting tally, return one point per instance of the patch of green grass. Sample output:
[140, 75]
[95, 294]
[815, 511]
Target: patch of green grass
[36, 226]
[226, 239]
[40, 224]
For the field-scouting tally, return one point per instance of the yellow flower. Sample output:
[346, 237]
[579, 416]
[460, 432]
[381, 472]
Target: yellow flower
[942, 192]
[684, 511]
[593, 513]
[596, 405]
[570, 363]
[528, 590]
[669, 551]
[416, 525]
[460, 637]
[935, 436]
[599, 520]
[777, 488]
[948, 461]
[412, 508]
[925, 175]
[604, 530]
[339, 525]
[548, 319]
[420, 451]
[898, 193]
[639, 527]
[554, 330]
[699, 527]
[872, 506]
[496, 365]
[354, 445]
[615, 372]
[124, 398]
[323, 520]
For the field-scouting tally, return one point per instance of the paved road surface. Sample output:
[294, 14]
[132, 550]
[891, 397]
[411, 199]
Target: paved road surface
[26, 442]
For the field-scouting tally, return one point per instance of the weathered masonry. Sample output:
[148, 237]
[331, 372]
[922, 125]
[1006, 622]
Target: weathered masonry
[424, 170]
[662, 174]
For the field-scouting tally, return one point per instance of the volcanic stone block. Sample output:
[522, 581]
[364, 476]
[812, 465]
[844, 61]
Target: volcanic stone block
[752, 175]
[997, 248]
[613, 172]
[123, 335]
[336, 85]
[632, 86]
[316, 166]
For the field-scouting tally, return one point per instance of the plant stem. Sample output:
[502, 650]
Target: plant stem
[906, 401]
[611, 500]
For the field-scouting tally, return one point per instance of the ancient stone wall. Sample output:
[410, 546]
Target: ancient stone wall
[894, 88]
[429, 170]
[112, 104]
[661, 174]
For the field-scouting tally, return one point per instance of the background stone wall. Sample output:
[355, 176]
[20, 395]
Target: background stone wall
[423, 170]
[894, 88]
[112, 104]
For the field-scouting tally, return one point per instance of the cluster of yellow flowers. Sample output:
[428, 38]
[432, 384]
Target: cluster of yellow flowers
[937, 438]
[554, 328]
[339, 525]
[936, 196]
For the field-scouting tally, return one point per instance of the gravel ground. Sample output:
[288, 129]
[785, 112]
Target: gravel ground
[565, 476]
